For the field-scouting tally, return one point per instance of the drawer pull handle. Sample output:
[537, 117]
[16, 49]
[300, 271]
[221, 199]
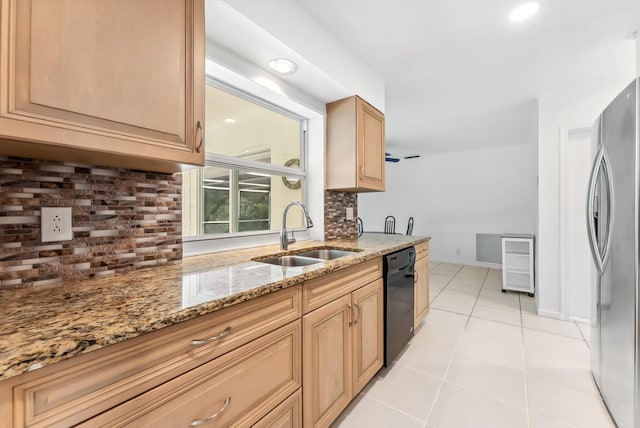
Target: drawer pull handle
[350, 315]
[200, 342]
[198, 422]
[358, 308]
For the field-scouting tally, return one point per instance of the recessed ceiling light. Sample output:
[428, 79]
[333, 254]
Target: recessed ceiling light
[524, 11]
[230, 120]
[283, 66]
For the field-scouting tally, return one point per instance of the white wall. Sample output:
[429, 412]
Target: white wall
[294, 27]
[284, 27]
[573, 105]
[638, 52]
[453, 196]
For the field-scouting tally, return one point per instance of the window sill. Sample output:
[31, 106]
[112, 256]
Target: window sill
[199, 245]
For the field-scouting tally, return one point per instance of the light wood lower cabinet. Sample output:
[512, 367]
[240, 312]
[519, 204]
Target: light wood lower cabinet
[77, 389]
[327, 350]
[288, 414]
[237, 389]
[421, 286]
[259, 362]
[343, 350]
[368, 333]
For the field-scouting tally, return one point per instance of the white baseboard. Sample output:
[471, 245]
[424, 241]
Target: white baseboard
[559, 316]
[468, 263]
[550, 314]
[581, 320]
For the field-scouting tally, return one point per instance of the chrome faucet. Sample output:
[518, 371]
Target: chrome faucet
[284, 239]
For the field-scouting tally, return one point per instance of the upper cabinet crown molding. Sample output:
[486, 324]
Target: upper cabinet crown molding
[114, 83]
[355, 146]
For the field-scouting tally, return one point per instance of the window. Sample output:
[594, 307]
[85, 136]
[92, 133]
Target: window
[254, 167]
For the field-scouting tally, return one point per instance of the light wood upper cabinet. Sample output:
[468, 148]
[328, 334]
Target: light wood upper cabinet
[114, 83]
[421, 286]
[355, 146]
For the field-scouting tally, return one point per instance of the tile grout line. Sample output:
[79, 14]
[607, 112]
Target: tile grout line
[446, 284]
[582, 334]
[388, 406]
[484, 280]
[444, 376]
[424, 423]
[524, 366]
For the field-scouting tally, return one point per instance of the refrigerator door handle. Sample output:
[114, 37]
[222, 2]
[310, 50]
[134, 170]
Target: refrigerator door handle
[611, 205]
[593, 239]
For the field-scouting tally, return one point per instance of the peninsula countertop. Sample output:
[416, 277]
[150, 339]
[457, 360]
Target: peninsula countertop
[41, 327]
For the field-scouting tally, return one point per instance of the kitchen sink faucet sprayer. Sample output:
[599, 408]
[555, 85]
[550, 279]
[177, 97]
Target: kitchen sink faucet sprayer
[284, 240]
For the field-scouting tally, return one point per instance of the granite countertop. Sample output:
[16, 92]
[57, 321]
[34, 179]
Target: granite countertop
[41, 327]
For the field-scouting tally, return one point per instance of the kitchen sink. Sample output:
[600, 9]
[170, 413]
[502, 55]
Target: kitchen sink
[290, 261]
[306, 257]
[326, 253]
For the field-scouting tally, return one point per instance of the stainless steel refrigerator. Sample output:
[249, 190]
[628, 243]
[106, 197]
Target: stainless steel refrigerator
[613, 224]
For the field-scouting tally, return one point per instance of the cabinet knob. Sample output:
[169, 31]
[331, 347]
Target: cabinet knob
[199, 128]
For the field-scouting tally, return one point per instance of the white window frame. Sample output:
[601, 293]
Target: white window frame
[204, 244]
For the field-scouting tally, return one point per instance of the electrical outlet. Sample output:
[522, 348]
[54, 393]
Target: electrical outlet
[55, 224]
[349, 213]
[457, 251]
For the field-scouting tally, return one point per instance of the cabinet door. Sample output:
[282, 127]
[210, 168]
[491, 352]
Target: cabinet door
[120, 77]
[421, 291]
[368, 351]
[288, 414]
[370, 147]
[326, 362]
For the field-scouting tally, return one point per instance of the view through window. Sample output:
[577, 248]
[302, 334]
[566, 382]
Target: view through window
[255, 166]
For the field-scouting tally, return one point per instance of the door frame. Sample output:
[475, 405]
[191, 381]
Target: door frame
[565, 253]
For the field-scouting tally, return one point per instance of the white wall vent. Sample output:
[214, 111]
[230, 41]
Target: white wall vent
[489, 247]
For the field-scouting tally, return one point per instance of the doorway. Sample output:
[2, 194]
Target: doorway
[577, 270]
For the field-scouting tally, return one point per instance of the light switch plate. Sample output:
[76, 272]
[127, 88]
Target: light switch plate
[349, 213]
[55, 224]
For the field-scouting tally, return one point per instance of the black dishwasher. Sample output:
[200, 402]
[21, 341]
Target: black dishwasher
[398, 301]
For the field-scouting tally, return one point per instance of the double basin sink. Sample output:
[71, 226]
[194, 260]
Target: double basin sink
[307, 257]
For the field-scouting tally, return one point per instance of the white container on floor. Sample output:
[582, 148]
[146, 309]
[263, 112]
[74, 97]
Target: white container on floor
[517, 263]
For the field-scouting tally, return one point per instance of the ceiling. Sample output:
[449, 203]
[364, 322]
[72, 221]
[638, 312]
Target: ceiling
[460, 76]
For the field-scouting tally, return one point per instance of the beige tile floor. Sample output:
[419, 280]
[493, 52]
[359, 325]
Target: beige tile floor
[483, 358]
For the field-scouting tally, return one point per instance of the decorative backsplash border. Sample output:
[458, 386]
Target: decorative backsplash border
[336, 225]
[122, 221]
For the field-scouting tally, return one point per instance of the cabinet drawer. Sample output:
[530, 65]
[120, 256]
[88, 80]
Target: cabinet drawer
[327, 288]
[422, 250]
[77, 389]
[239, 388]
[288, 414]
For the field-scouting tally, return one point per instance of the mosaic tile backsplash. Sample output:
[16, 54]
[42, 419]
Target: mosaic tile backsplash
[122, 221]
[336, 225]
